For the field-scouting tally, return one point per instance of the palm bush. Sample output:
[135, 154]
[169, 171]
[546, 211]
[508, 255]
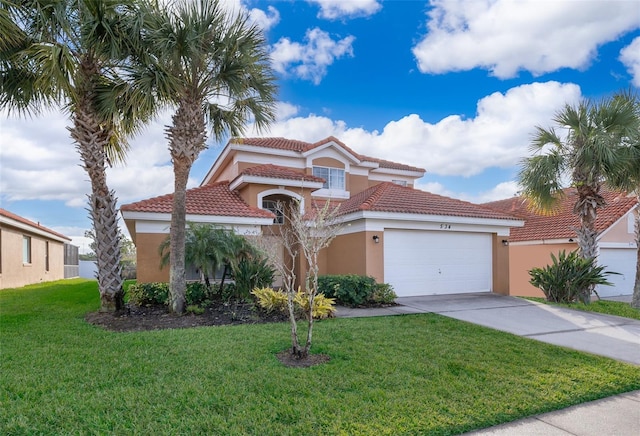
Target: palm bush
[569, 278]
[250, 273]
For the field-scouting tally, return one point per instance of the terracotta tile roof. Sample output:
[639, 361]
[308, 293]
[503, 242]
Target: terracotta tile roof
[5, 213]
[301, 147]
[562, 224]
[215, 199]
[277, 172]
[389, 197]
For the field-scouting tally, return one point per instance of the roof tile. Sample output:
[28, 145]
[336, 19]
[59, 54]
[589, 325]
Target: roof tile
[390, 197]
[215, 199]
[277, 172]
[563, 223]
[301, 147]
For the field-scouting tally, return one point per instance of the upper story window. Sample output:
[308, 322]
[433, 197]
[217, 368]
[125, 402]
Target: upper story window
[334, 177]
[400, 182]
[26, 249]
[276, 209]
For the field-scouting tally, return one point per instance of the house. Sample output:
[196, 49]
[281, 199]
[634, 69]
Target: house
[31, 253]
[419, 242]
[531, 245]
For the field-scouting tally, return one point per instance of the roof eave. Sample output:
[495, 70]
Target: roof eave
[245, 179]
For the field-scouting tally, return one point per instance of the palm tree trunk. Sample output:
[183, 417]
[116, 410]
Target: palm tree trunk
[92, 139]
[589, 201]
[635, 301]
[186, 139]
[177, 272]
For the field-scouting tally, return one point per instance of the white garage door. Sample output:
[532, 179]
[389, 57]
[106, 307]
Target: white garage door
[620, 260]
[432, 263]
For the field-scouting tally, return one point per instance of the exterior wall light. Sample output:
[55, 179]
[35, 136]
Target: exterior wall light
[505, 242]
[376, 238]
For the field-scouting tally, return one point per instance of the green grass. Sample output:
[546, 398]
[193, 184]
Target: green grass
[616, 308]
[413, 374]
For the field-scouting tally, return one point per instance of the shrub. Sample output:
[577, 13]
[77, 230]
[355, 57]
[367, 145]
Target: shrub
[323, 307]
[354, 290]
[198, 294]
[147, 294]
[348, 290]
[272, 300]
[382, 294]
[569, 278]
[252, 273]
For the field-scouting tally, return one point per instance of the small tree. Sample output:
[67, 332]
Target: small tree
[306, 235]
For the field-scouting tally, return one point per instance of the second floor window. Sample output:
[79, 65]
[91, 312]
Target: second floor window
[334, 177]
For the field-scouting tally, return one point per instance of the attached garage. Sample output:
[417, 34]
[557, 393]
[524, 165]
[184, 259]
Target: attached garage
[622, 261]
[437, 262]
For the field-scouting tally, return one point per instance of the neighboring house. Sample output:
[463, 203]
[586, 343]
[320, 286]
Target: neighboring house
[420, 243]
[31, 253]
[531, 246]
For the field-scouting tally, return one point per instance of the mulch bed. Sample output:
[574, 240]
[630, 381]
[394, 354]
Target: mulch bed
[142, 318]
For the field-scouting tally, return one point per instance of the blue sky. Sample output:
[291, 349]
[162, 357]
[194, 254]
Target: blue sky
[455, 87]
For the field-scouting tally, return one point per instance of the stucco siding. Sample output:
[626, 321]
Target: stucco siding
[620, 232]
[148, 258]
[356, 253]
[14, 273]
[500, 264]
[525, 257]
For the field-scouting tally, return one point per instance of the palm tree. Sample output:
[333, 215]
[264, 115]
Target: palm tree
[627, 178]
[588, 147]
[66, 52]
[215, 70]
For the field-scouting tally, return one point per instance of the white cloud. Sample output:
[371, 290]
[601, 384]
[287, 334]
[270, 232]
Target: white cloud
[498, 135]
[265, 20]
[505, 36]
[630, 57]
[435, 188]
[334, 9]
[499, 192]
[309, 61]
[40, 162]
[286, 110]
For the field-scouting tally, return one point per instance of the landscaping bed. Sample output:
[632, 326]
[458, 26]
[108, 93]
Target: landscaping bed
[158, 317]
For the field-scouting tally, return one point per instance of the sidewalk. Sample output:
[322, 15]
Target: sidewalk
[611, 336]
[614, 416]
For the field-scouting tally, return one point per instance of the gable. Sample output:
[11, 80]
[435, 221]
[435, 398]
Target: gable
[301, 155]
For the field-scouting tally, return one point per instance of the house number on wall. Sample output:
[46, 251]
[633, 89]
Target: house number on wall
[445, 226]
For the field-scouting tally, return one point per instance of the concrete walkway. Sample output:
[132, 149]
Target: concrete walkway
[606, 335]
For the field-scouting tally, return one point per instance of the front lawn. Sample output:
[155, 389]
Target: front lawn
[408, 374]
[616, 308]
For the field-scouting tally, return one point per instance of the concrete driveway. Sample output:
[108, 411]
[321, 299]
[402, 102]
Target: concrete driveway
[611, 336]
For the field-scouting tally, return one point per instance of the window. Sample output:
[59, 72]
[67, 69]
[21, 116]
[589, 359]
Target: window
[400, 182]
[26, 249]
[46, 255]
[334, 177]
[272, 206]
